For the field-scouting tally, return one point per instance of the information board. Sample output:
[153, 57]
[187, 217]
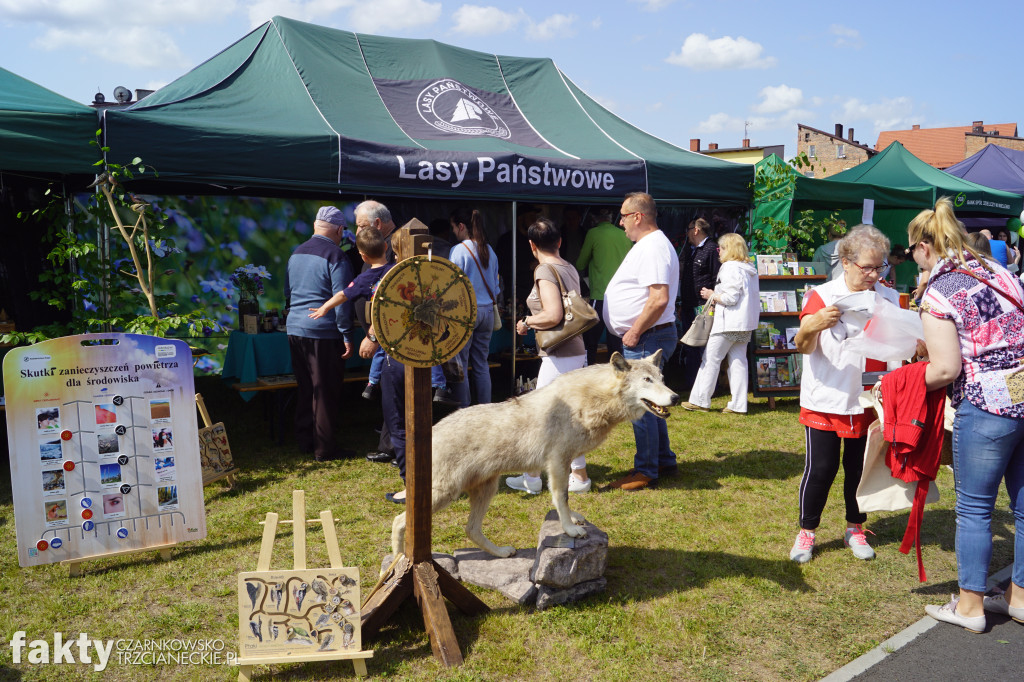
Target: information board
[104, 446]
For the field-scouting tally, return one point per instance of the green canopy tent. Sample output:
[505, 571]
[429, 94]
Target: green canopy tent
[780, 190]
[43, 133]
[896, 167]
[296, 108]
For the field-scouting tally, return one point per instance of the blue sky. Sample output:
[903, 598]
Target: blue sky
[675, 68]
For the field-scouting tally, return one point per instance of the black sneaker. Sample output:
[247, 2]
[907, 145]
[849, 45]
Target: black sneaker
[371, 392]
[380, 457]
[446, 396]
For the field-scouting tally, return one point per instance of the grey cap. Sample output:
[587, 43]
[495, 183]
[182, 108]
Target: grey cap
[331, 214]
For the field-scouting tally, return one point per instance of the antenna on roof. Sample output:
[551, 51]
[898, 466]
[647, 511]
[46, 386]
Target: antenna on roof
[746, 124]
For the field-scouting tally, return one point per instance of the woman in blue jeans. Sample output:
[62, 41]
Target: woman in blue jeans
[478, 261]
[974, 332]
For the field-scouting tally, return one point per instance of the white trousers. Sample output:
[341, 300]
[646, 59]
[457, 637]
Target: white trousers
[719, 348]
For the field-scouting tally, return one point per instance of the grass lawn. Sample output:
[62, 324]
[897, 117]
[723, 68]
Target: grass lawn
[700, 586]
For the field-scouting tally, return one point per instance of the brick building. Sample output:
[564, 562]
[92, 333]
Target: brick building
[830, 153]
[943, 147]
[742, 154]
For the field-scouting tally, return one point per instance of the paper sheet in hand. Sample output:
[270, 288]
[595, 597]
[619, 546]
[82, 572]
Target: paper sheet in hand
[856, 311]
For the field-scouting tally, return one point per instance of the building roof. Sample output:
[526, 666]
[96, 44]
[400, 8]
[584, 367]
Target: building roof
[837, 138]
[940, 147]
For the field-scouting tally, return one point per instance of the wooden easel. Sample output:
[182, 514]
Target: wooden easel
[230, 474]
[298, 523]
[416, 572]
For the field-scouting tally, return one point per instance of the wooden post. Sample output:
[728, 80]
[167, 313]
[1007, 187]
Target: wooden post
[416, 573]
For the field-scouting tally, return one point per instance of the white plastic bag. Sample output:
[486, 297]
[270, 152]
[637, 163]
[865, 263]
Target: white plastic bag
[890, 334]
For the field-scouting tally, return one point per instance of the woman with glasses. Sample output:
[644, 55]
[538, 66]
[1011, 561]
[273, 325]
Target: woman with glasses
[974, 332]
[829, 390]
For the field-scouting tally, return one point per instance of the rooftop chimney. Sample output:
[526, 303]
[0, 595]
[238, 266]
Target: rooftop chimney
[978, 127]
[712, 146]
[839, 130]
[746, 143]
[916, 126]
[850, 132]
[694, 144]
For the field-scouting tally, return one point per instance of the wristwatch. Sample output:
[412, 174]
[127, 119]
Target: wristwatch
[370, 336]
[525, 323]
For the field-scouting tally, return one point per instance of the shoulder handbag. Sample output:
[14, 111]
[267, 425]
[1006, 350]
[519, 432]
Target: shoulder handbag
[577, 317]
[494, 303]
[699, 331]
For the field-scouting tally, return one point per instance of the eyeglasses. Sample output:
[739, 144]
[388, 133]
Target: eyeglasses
[623, 216]
[912, 248]
[876, 269]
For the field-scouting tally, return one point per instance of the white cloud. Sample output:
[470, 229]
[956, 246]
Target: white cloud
[716, 123]
[388, 16]
[653, 5]
[263, 11]
[702, 53]
[555, 26]
[105, 13]
[484, 21]
[845, 36]
[595, 23]
[136, 46]
[885, 114]
[606, 102]
[779, 98]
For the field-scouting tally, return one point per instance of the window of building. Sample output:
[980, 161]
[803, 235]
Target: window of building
[807, 137]
[809, 174]
[840, 151]
[811, 151]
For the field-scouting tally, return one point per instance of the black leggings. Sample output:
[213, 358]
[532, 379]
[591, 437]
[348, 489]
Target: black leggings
[821, 464]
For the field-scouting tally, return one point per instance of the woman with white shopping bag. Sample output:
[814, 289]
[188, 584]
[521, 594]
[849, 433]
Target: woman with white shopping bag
[834, 421]
[736, 301]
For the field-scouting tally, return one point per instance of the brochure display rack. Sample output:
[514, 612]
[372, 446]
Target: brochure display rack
[775, 365]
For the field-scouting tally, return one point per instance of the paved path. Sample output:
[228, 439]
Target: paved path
[930, 650]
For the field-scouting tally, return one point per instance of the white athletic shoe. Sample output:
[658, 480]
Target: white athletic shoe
[525, 484]
[578, 486]
[858, 542]
[803, 547]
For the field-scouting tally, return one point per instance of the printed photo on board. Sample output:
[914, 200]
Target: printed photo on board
[56, 513]
[106, 443]
[53, 481]
[113, 506]
[110, 474]
[167, 497]
[160, 410]
[48, 419]
[106, 414]
[49, 450]
[162, 440]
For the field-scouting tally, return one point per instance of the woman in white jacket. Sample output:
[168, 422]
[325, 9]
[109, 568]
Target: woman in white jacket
[736, 297]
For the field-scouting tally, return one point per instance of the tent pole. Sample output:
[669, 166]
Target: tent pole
[513, 309]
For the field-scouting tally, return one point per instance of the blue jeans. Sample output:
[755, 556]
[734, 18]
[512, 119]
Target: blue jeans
[376, 365]
[986, 449]
[474, 358]
[651, 433]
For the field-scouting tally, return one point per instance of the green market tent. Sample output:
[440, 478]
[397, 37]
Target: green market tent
[302, 109]
[898, 168]
[42, 132]
[782, 190]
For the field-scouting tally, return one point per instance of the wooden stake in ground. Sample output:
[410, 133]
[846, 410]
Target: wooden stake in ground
[443, 311]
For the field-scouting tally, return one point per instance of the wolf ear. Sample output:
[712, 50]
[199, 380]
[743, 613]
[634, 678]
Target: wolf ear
[619, 362]
[655, 359]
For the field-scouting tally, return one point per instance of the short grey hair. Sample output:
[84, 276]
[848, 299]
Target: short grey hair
[374, 210]
[862, 238]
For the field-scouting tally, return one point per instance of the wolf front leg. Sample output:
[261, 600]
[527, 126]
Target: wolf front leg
[479, 501]
[558, 480]
[398, 535]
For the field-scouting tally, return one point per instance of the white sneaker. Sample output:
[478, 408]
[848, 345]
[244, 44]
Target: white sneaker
[997, 604]
[525, 483]
[858, 543]
[803, 548]
[578, 486]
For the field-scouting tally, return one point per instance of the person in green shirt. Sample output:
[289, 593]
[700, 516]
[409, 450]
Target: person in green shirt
[603, 249]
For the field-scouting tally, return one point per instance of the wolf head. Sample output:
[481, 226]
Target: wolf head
[642, 385]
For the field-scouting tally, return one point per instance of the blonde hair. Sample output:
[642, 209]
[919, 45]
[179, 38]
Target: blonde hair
[401, 241]
[731, 247]
[939, 228]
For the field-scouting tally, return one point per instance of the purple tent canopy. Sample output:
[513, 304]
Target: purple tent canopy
[994, 166]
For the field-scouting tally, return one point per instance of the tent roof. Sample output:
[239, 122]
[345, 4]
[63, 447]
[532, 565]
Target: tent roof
[827, 193]
[994, 166]
[306, 109]
[897, 168]
[43, 132]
